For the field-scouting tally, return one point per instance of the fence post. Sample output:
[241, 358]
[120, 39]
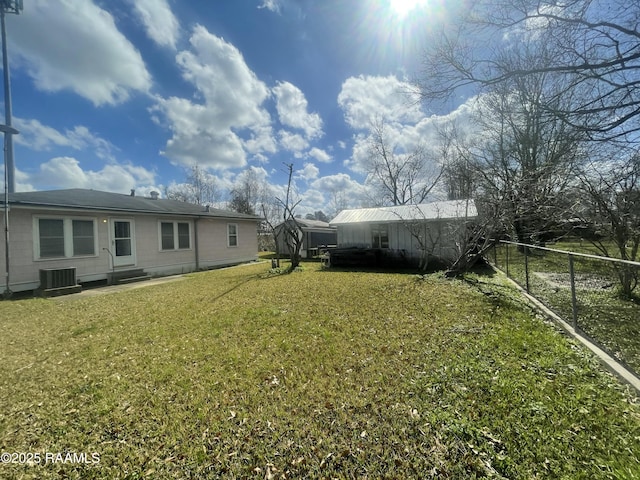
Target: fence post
[507, 258]
[574, 299]
[526, 267]
[495, 253]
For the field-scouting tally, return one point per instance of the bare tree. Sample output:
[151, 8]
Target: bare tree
[612, 190]
[426, 239]
[200, 188]
[400, 177]
[592, 49]
[289, 229]
[339, 201]
[292, 232]
[271, 214]
[459, 178]
[247, 193]
[529, 158]
[519, 164]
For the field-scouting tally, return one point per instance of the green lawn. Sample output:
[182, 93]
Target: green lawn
[237, 373]
[603, 314]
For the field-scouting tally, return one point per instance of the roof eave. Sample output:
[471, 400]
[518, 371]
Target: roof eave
[56, 206]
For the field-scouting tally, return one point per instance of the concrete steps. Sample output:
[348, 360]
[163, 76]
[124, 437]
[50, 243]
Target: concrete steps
[121, 277]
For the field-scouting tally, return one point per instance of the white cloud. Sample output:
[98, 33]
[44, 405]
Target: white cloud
[206, 133]
[272, 5]
[66, 172]
[340, 191]
[312, 201]
[309, 172]
[291, 105]
[39, 137]
[367, 98]
[158, 20]
[406, 127]
[293, 142]
[75, 45]
[260, 141]
[337, 182]
[320, 155]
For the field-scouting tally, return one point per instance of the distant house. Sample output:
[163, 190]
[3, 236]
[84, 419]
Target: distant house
[401, 233]
[80, 235]
[314, 233]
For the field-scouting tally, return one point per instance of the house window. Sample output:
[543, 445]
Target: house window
[51, 231]
[83, 237]
[380, 235]
[166, 235]
[64, 237]
[184, 240]
[175, 233]
[232, 235]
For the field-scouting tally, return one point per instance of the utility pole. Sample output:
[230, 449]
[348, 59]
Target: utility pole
[7, 6]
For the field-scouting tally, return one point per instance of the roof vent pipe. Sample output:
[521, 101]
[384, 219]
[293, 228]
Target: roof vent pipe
[154, 195]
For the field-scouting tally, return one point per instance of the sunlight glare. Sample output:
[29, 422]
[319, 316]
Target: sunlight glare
[401, 8]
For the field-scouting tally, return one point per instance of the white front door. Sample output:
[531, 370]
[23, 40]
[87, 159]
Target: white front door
[123, 244]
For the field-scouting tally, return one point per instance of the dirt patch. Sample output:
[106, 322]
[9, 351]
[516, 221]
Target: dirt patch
[583, 281]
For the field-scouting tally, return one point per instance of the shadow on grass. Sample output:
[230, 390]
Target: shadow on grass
[234, 287]
[480, 270]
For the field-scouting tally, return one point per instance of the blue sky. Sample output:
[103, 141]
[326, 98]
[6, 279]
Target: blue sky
[121, 94]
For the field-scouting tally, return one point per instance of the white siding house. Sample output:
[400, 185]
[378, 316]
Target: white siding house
[102, 236]
[405, 231]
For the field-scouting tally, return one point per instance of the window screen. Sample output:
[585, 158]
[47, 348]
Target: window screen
[232, 230]
[83, 241]
[51, 237]
[166, 232]
[183, 235]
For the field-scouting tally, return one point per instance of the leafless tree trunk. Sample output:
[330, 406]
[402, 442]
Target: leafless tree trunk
[271, 214]
[289, 230]
[292, 231]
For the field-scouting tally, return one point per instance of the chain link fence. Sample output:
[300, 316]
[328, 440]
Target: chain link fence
[595, 294]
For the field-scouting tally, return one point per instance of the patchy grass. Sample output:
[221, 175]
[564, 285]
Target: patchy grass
[603, 314]
[239, 373]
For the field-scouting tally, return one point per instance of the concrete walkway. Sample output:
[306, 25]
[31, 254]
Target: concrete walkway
[92, 292]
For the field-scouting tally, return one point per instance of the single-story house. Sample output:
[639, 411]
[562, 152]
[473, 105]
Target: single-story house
[314, 233]
[402, 232]
[72, 236]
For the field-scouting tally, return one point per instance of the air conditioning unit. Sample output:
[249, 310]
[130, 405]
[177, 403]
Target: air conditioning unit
[58, 281]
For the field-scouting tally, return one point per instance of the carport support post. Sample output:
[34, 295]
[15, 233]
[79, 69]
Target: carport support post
[574, 300]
